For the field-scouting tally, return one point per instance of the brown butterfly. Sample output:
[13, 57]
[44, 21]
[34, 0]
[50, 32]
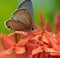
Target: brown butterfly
[21, 21]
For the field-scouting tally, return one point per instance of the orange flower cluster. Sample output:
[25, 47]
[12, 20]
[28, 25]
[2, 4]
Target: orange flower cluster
[39, 43]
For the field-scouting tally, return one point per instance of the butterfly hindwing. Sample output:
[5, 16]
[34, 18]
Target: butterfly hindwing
[15, 25]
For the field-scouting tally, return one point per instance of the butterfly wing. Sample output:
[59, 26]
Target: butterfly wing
[23, 16]
[15, 25]
[27, 4]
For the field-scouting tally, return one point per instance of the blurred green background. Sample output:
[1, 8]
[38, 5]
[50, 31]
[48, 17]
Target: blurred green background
[48, 7]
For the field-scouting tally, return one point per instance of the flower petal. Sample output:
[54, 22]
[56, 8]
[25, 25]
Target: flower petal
[20, 50]
[48, 27]
[37, 50]
[7, 42]
[49, 49]
[42, 20]
[58, 38]
[6, 52]
[57, 22]
[36, 32]
[25, 55]
[20, 33]
[52, 41]
[1, 36]
[23, 40]
[55, 53]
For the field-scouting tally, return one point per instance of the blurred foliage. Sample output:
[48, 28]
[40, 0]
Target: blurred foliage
[7, 7]
[48, 7]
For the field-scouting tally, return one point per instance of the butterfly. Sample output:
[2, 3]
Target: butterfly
[21, 21]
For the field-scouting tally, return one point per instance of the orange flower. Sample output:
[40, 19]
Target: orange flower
[39, 43]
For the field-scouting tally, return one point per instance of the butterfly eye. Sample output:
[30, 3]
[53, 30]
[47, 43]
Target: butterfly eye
[33, 28]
